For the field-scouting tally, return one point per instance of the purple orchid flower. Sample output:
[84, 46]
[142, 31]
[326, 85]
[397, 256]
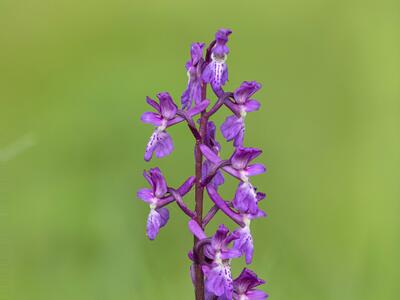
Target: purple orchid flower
[158, 217]
[247, 198]
[240, 160]
[233, 128]
[216, 72]
[157, 198]
[193, 67]
[160, 141]
[245, 286]
[244, 242]
[218, 270]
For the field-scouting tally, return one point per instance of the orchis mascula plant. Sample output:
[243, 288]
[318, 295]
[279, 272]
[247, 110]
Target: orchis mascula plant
[211, 256]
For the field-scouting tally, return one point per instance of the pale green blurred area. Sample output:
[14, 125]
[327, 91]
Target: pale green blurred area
[73, 80]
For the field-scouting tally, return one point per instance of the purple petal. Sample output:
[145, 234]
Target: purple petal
[242, 156]
[209, 138]
[167, 105]
[186, 186]
[221, 38]
[161, 143]
[155, 221]
[164, 145]
[230, 253]
[164, 215]
[259, 214]
[197, 231]
[245, 91]
[209, 154]
[153, 104]
[256, 295]
[218, 177]
[245, 284]
[146, 195]
[260, 196]
[151, 145]
[245, 243]
[208, 72]
[151, 118]
[224, 75]
[232, 172]
[245, 198]
[216, 73]
[238, 141]
[219, 280]
[232, 128]
[196, 52]
[186, 99]
[217, 241]
[148, 178]
[255, 169]
[174, 121]
[159, 183]
[251, 105]
[198, 108]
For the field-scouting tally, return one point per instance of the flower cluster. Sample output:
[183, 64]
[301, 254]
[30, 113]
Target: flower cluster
[211, 256]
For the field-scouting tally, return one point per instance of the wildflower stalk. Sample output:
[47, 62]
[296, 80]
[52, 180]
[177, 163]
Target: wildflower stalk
[211, 256]
[199, 194]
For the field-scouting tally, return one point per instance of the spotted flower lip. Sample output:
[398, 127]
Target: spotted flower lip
[240, 160]
[244, 243]
[193, 92]
[158, 217]
[245, 286]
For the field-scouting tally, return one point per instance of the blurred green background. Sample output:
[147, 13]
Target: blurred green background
[73, 80]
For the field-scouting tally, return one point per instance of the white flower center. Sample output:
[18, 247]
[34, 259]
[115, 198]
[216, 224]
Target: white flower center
[243, 176]
[219, 59]
[162, 126]
[218, 259]
[246, 221]
[243, 112]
